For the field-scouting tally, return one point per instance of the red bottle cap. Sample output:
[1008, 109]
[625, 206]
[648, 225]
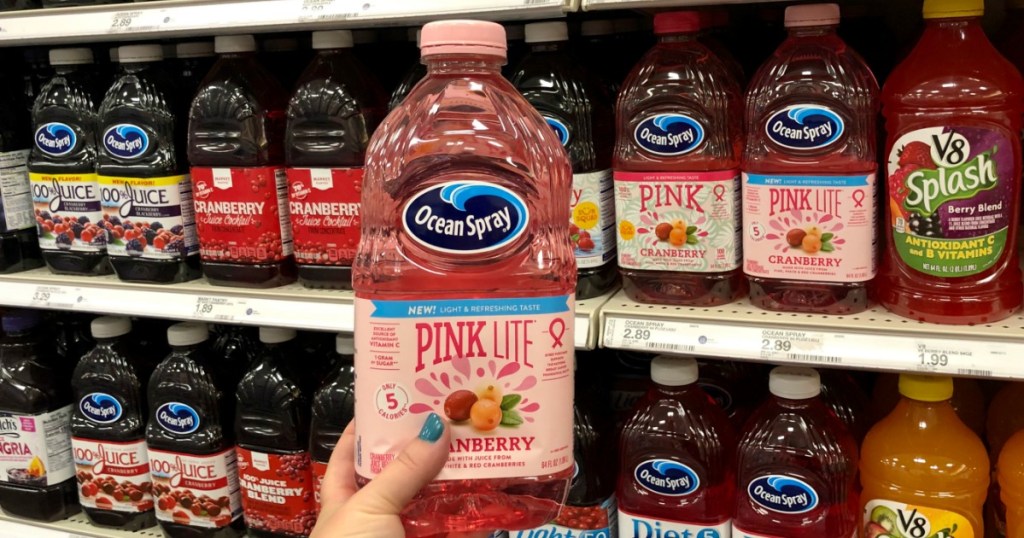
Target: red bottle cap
[677, 22]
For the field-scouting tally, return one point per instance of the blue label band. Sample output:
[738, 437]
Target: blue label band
[465, 217]
[669, 134]
[666, 477]
[177, 417]
[55, 139]
[806, 181]
[805, 127]
[783, 494]
[471, 307]
[126, 141]
[100, 408]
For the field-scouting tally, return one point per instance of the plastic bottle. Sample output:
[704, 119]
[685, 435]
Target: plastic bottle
[848, 401]
[38, 481]
[71, 340]
[333, 408]
[809, 172]
[20, 222]
[1010, 474]
[194, 60]
[631, 377]
[465, 146]
[283, 59]
[272, 429]
[335, 107]
[190, 437]
[235, 346]
[917, 480]
[235, 145]
[968, 400]
[676, 471]
[62, 167]
[36, 73]
[952, 107]
[604, 57]
[679, 138]
[1003, 421]
[108, 430]
[576, 107]
[736, 387]
[716, 23]
[417, 70]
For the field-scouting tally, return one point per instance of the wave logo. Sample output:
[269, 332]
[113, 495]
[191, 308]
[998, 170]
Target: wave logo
[667, 477]
[177, 417]
[56, 139]
[783, 494]
[126, 141]
[560, 129]
[465, 217]
[100, 407]
[669, 134]
[804, 127]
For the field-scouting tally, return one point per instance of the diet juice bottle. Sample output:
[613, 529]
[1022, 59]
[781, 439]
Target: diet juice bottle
[464, 286]
[333, 408]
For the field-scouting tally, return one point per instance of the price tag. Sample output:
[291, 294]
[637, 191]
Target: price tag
[957, 357]
[218, 308]
[646, 335]
[795, 346]
[330, 10]
[137, 21]
[56, 297]
[581, 330]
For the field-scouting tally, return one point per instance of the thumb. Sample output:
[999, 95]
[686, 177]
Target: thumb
[416, 466]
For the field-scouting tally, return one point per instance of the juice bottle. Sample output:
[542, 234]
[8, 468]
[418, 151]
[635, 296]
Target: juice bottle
[631, 378]
[72, 339]
[465, 181]
[417, 70]
[952, 110]
[333, 408]
[235, 346]
[62, 167]
[193, 62]
[335, 107]
[108, 430]
[576, 107]
[847, 400]
[272, 429]
[924, 472]
[1003, 421]
[679, 137]
[19, 224]
[190, 437]
[968, 400]
[676, 472]
[809, 242]
[796, 469]
[1010, 473]
[235, 134]
[283, 58]
[716, 22]
[734, 386]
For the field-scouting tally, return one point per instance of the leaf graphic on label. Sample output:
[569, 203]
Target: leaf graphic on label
[691, 240]
[690, 230]
[827, 247]
[827, 236]
[511, 418]
[510, 401]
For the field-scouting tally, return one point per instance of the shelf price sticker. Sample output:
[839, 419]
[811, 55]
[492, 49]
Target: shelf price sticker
[220, 309]
[958, 357]
[137, 21]
[796, 346]
[646, 335]
[56, 297]
[330, 10]
[582, 331]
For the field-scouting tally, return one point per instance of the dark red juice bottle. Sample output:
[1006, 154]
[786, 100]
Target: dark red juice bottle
[333, 409]
[19, 224]
[235, 135]
[193, 60]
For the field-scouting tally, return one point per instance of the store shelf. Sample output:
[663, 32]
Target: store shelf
[587, 329]
[180, 18]
[597, 5]
[874, 339]
[76, 526]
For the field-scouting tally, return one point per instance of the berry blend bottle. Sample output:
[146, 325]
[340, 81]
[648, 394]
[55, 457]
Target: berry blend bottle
[333, 409]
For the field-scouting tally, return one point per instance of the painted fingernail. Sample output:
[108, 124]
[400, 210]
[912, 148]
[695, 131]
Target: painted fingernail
[432, 428]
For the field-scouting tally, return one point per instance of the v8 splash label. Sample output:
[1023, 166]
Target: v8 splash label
[889, 518]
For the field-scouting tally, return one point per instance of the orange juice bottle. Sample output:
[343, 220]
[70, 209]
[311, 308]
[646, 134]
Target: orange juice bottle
[1010, 474]
[924, 472]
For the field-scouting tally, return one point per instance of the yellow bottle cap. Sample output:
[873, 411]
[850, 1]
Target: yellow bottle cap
[926, 388]
[953, 9]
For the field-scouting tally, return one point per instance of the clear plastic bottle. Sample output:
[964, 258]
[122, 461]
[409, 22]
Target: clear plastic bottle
[333, 408]
[1010, 474]
[193, 60]
[840, 391]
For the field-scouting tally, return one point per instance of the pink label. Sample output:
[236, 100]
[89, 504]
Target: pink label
[501, 370]
[113, 476]
[201, 491]
[28, 424]
[810, 227]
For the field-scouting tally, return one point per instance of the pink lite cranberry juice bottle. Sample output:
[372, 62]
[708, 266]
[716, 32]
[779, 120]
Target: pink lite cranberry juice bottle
[464, 282]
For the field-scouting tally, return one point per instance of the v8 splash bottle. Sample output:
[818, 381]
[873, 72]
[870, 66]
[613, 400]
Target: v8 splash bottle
[464, 284]
[809, 172]
[953, 119]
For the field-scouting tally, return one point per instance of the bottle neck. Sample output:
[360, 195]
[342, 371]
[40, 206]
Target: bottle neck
[790, 403]
[68, 69]
[547, 46]
[812, 31]
[186, 350]
[959, 29]
[448, 64]
[134, 67]
[924, 414]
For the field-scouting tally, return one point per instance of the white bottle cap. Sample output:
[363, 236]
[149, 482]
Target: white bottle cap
[812, 15]
[673, 370]
[598, 27]
[345, 344]
[276, 335]
[225, 44]
[76, 56]
[281, 44]
[543, 32]
[194, 49]
[364, 37]
[110, 327]
[133, 54]
[515, 32]
[187, 334]
[332, 39]
[794, 382]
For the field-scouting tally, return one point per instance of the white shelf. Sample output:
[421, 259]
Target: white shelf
[596, 5]
[587, 330]
[180, 18]
[76, 526]
[874, 339]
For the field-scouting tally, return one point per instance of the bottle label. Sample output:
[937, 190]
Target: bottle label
[783, 494]
[465, 217]
[56, 139]
[177, 418]
[149, 218]
[810, 227]
[242, 214]
[951, 197]
[592, 227]
[890, 518]
[126, 141]
[597, 521]
[35, 450]
[113, 476]
[678, 221]
[70, 208]
[501, 370]
[319, 472]
[101, 408]
[324, 207]
[201, 491]
[805, 127]
[740, 533]
[666, 477]
[669, 135]
[636, 526]
[16, 193]
[277, 494]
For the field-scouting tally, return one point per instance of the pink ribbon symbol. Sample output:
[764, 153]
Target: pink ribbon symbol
[858, 197]
[719, 191]
[561, 331]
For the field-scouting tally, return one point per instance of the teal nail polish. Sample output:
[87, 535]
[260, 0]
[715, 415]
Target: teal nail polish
[432, 428]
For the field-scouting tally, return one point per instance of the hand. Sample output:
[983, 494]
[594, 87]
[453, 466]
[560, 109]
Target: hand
[374, 511]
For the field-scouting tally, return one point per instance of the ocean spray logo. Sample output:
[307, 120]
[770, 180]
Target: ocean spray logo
[560, 129]
[804, 127]
[669, 134]
[783, 494]
[177, 418]
[100, 408]
[666, 477]
[55, 139]
[126, 141]
[465, 217]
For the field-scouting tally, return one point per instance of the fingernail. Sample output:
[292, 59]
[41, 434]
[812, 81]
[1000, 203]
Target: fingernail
[432, 428]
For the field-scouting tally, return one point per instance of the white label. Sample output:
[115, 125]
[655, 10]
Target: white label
[151, 218]
[113, 476]
[284, 211]
[35, 450]
[592, 227]
[15, 192]
[631, 526]
[182, 481]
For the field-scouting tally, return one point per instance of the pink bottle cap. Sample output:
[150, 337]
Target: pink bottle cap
[677, 22]
[463, 37]
[812, 15]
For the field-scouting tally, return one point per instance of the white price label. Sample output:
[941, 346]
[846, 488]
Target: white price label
[958, 357]
[56, 297]
[137, 21]
[646, 335]
[330, 10]
[582, 332]
[219, 308]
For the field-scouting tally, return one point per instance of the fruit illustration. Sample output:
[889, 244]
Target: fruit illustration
[485, 415]
[917, 153]
[458, 404]
[884, 517]
[811, 240]
[662, 231]
[485, 410]
[874, 530]
[795, 237]
[811, 244]
[676, 233]
[36, 467]
[581, 238]
[677, 237]
[815, 231]
[490, 392]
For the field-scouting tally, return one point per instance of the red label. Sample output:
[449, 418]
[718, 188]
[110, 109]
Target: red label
[319, 472]
[242, 214]
[276, 492]
[324, 207]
